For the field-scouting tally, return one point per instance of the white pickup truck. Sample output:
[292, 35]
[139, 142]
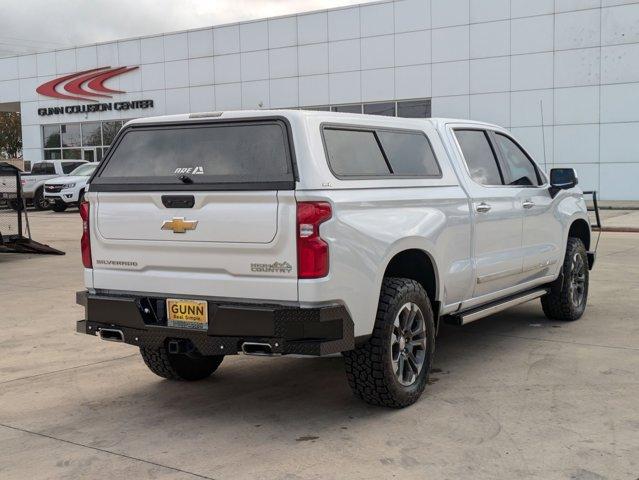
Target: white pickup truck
[315, 233]
[33, 182]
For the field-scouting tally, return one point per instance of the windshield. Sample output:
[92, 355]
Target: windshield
[84, 170]
[252, 151]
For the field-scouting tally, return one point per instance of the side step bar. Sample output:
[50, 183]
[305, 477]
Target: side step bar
[497, 306]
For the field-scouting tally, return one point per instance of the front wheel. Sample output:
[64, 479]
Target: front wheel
[59, 207]
[39, 200]
[569, 294]
[391, 369]
[178, 366]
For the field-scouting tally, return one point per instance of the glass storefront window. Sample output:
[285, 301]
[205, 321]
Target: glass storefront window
[53, 154]
[318, 109]
[348, 108]
[71, 135]
[414, 109]
[109, 130]
[51, 134]
[91, 135]
[72, 154]
[417, 108]
[387, 109]
[88, 141]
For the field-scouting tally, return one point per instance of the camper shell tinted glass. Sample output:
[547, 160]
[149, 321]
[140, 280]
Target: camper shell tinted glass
[231, 155]
[359, 152]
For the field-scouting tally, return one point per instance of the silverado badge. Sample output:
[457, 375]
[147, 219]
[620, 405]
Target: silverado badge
[179, 225]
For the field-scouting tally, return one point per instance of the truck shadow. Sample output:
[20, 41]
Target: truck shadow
[258, 390]
[283, 401]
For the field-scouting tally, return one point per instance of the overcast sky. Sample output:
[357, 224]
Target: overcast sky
[37, 25]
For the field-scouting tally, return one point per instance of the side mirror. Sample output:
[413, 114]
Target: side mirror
[562, 179]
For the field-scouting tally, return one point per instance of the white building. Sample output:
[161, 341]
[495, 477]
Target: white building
[563, 74]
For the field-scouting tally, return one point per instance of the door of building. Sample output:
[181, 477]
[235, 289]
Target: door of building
[92, 154]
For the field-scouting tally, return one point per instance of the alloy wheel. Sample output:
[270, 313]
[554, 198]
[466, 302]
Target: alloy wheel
[408, 344]
[577, 280]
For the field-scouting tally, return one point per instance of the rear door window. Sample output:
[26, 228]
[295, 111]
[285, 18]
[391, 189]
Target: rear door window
[379, 152]
[479, 157]
[220, 153]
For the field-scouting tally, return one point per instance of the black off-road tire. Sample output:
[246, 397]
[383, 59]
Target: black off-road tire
[39, 202]
[177, 366]
[59, 207]
[17, 205]
[559, 304]
[369, 367]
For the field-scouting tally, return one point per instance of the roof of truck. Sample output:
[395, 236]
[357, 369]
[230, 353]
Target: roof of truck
[329, 116]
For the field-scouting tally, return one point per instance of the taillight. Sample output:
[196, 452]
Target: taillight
[85, 242]
[312, 251]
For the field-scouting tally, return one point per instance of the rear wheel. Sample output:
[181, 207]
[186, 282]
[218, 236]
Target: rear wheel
[39, 201]
[17, 205]
[391, 369]
[569, 294]
[178, 366]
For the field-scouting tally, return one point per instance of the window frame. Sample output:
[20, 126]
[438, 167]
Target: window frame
[370, 128]
[47, 163]
[115, 184]
[486, 132]
[503, 163]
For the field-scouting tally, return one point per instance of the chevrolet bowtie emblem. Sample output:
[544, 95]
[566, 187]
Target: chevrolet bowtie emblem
[179, 225]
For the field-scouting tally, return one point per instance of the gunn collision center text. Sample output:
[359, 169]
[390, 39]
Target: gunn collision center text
[96, 107]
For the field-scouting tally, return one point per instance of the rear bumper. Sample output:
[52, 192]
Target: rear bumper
[288, 330]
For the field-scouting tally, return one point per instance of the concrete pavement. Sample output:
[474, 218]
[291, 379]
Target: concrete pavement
[511, 396]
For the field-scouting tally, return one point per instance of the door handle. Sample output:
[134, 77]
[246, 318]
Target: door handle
[483, 208]
[528, 204]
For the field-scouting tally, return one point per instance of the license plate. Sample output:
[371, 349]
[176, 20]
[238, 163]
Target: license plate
[187, 313]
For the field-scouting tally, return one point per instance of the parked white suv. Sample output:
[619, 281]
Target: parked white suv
[313, 233]
[68, 191]
[33, 182]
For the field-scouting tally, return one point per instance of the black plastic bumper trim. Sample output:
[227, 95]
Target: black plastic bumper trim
[289, 330]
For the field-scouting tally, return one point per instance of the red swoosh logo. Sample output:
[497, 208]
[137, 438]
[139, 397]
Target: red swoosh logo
[97, 83]
[75, 87]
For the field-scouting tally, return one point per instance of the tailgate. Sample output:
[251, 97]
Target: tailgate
[215, 217]
[206, 209]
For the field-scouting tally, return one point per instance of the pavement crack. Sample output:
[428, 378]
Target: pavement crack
[66, 369]
[102, 450]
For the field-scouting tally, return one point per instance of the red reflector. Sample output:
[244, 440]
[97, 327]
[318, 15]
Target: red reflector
[85, 241]
[312, 251]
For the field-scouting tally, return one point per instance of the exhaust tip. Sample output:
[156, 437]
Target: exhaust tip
[255, 348]
[111, 335]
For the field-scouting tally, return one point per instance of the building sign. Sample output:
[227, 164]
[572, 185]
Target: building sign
[88, 85]
[95, 107]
